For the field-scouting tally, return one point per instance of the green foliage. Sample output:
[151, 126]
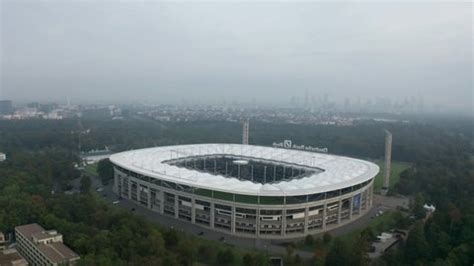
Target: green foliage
[416, 246]
[445, 179]
[418, 209]
[206, 253]
[225, 257]
[395, 171]
[339, 253]
[86, 184]
[171, 238]
[186, 252]
[91, 169]
[360, 248]
[327, 238]
[101, 234]
[309, 240]
[105, 170]
[250, 259]
[41, 157]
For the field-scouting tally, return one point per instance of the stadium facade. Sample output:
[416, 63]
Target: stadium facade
[245, 190]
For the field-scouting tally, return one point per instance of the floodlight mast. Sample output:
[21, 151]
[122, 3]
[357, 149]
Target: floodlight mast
[388, 160]
[245, 132]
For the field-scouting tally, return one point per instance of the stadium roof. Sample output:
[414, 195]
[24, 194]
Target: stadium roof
[339, 172]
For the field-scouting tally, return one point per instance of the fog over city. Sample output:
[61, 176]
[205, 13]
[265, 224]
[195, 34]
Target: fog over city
[170, 52]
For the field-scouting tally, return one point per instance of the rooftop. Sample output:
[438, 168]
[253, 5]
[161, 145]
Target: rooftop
[11, 257]
[56, 251]
[29, 229]
[336, 172]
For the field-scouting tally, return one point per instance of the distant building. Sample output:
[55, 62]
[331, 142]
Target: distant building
[11, 257]
[95, 156]
[42, 247]
[3, 157]
[386, 241]
[48, 107]
[430, 208]
[33, 105]
[96, 113]
[6, 107]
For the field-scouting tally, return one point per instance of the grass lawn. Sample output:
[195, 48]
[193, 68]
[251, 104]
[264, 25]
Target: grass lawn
[397, 168]
[91, 169]
[379, 224]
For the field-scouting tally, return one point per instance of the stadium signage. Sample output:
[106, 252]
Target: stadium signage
[288, 144]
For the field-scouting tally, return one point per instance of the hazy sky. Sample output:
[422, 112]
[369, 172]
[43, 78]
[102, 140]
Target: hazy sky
[169, 51]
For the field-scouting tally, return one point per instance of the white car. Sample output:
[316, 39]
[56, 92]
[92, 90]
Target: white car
[115, 202]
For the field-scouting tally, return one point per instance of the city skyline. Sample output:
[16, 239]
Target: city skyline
[244, 52]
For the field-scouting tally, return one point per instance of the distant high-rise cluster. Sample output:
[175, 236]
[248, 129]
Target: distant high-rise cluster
[325, 102]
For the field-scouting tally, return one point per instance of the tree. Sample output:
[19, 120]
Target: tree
[439, 240]
[186, 252]
[257, 259]
[393, 257]
[86, 184]
[319, 257]
[105, 169]
[327, 238]
[339, 254]
[309, 240]
[247, 259]
[206, 253]
[171, 238]
[460, 255]
[359, 250]
[225, 257]
[368, 234]
[418, 209]
[297, 260]
[416, 246]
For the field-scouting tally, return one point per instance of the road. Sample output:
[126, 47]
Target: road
[270, 246]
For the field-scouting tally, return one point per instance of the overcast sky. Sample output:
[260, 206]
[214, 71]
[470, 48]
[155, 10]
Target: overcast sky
[170, 51]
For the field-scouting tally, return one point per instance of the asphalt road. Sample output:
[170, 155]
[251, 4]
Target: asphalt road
[272, 247]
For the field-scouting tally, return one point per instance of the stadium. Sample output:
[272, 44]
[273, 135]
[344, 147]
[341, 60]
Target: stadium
[245, 190]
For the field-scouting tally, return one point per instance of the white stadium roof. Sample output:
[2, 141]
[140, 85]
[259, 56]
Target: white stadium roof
[339, 172]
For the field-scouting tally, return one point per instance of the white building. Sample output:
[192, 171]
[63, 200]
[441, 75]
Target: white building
[276, 193]
[430, 208]
[41, 247]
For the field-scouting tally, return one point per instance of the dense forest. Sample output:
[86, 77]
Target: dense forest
[412, 141]
[447, 181]
[101, 234]
[41, 157]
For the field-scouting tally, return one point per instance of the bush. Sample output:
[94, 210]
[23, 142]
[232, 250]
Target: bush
[225, 257]
[309, 240]
[327, 238]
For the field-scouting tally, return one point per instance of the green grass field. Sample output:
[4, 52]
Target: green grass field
[91, 169]
[397, 168]
[379, 224]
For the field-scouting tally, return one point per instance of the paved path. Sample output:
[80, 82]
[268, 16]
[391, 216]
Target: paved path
[272, 247]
